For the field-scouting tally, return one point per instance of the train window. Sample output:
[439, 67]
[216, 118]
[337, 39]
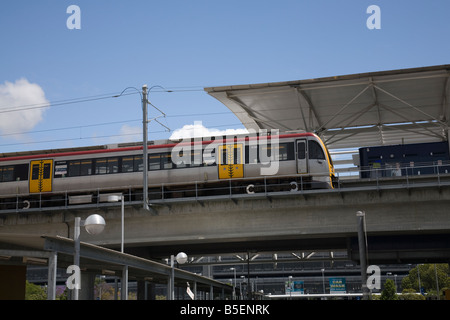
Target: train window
[138, 164]
[289, 153]
[196, 158]
[315, 150]
[101, 166]
[6, 174]
[301, 150]
[128, 164]
[209, 157]
[47, 171]
[285, 152]
[251, 154]
[167, 161]
[35, 172]
[223, 159]
[113, 165]
[60, 169]
[86, 167]
[21, 172]
[154, 161]
[237, 155]
[74, 168]
[231, 155]
[106, 165]
[265, 151]
[14, 173]
[181, 157]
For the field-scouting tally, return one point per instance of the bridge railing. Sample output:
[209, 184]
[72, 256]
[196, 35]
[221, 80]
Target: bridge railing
[387, 177]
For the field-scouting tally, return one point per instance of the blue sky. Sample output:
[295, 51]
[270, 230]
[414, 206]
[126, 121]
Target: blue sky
[185, 46]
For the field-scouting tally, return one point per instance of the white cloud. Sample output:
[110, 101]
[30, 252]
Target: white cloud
[130, 133]
[22, 105]
[197, 130]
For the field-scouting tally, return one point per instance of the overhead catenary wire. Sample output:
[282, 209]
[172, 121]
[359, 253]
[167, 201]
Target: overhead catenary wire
[7, 109]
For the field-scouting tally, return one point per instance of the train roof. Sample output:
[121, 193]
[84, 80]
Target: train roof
[121, 147]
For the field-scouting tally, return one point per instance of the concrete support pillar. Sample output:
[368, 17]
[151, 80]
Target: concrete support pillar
[51, 282]
[87, 286]
[145, 290]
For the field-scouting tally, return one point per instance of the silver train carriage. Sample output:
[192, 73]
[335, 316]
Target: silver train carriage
[246, 164]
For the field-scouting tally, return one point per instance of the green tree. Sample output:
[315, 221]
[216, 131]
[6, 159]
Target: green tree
[103, 290]
[388, 292]
[34, 292]
[427, 273]
[410, 294]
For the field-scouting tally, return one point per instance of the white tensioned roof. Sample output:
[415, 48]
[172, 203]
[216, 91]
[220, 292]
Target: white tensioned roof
[369, 109]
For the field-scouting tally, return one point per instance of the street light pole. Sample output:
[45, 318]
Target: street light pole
[76, 258]
[323, 280]
[124, 282]
[234, 286]
[123, 223]
[94, 224]
[290, 287]
[181, 258]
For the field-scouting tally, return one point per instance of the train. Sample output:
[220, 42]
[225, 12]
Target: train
[404, 160]
[82, 175]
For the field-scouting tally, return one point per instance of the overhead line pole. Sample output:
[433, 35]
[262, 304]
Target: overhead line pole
[145, 148]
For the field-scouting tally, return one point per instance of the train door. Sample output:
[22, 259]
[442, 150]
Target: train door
[302, 159]
[230, 162]
[41, 176]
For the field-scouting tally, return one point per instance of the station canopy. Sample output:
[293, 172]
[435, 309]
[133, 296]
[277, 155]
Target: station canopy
[349, 111]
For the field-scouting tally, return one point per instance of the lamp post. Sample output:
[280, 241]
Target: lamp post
[181, 258]
[240, 286]
[234, 285]
[94, 224]
[418, 277]
[395, 281]
[323, 280]
[290, 287]
[116, 198]
[124, 283]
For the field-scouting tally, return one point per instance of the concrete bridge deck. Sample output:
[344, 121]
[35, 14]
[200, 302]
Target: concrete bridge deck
[404, 221]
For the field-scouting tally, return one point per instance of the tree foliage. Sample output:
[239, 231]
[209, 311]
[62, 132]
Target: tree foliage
[389, 292]
[34, 292]
[427, 274]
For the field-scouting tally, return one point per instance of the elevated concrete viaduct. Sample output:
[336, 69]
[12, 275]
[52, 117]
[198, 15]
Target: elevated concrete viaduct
[404, 223]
